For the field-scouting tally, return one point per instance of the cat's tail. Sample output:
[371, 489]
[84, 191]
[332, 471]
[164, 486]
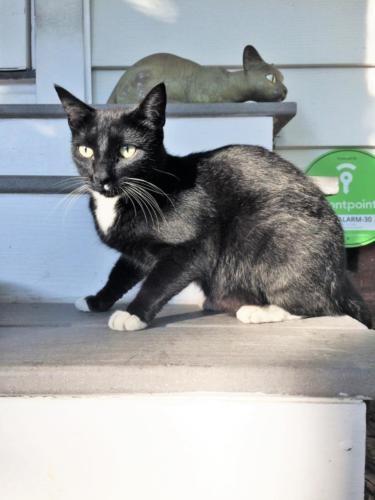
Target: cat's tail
[352, 303]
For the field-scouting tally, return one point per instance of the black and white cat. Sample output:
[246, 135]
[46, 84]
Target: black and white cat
[252, 230]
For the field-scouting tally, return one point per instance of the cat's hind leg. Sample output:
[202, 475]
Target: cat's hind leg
[264, 314]
[209, 306]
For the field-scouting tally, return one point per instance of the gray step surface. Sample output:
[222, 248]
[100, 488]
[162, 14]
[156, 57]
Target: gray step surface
[55, 349]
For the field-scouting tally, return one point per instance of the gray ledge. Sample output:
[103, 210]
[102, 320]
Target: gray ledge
[37, 184]
[282, 112]
[59, 184]
[53, 349]
[18, 74]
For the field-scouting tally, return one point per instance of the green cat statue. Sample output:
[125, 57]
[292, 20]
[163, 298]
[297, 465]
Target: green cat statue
[187, 81]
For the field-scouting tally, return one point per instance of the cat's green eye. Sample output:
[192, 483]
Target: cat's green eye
[271, 77]
[128, 151]
[86, 152]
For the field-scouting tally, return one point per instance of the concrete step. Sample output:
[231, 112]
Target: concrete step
[54, 349]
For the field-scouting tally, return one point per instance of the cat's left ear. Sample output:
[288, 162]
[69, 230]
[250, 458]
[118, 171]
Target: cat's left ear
[77, 111]
[251, 56]
[153, 106]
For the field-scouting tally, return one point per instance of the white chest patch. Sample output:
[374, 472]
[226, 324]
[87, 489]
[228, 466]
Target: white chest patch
[105, 211]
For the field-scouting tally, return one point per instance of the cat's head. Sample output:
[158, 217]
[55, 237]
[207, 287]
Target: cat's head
[265, 78]
[111, 146]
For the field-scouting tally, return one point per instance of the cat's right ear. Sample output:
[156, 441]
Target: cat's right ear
[250, 57]
[77, 111]
[153, 106]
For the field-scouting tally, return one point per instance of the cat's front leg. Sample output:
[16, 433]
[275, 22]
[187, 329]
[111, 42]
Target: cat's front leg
[168, 277]
[124, 275]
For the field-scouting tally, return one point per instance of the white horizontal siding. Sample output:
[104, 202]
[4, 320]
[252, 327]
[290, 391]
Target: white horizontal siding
[215, 32]
[336, 106]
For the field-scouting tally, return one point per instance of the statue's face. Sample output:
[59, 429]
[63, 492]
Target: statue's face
[267, 82]
[265, 79]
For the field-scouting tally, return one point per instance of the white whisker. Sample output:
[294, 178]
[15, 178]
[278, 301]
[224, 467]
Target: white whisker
[146, 200]
[128, 196]
[150, 201]
[139, 202]
[151, 187]
[69, 198]
[166, 173]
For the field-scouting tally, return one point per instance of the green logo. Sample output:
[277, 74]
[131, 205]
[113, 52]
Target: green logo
[355, 202]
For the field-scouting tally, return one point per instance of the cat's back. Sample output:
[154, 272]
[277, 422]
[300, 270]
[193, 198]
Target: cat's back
[256, 167]
[255, 180]
[166, 61]
[173, 70]
[258, 193]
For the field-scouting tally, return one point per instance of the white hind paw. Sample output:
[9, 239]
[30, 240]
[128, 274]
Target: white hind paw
[124, 321]
[82, 305]
[263, 314]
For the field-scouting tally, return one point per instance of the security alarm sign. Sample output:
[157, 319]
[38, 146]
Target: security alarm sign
[355, 202]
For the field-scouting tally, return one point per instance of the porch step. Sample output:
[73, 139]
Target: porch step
[53, 349]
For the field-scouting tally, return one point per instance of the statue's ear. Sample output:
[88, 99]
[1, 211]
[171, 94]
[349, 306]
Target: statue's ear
[153, 106]
[250, 56]
[77, 111]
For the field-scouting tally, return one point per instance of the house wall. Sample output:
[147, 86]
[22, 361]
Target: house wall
[326, 51]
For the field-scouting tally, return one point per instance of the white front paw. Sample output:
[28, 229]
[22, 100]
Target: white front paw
[122, 320]
[81, 305]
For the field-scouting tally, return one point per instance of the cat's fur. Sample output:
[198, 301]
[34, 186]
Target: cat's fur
[246, 225]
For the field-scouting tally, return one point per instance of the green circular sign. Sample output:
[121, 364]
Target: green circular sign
[355, 202]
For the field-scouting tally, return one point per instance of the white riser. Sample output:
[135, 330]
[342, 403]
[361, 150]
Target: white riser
[42, 146]
[17, 92]
[212, 447]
